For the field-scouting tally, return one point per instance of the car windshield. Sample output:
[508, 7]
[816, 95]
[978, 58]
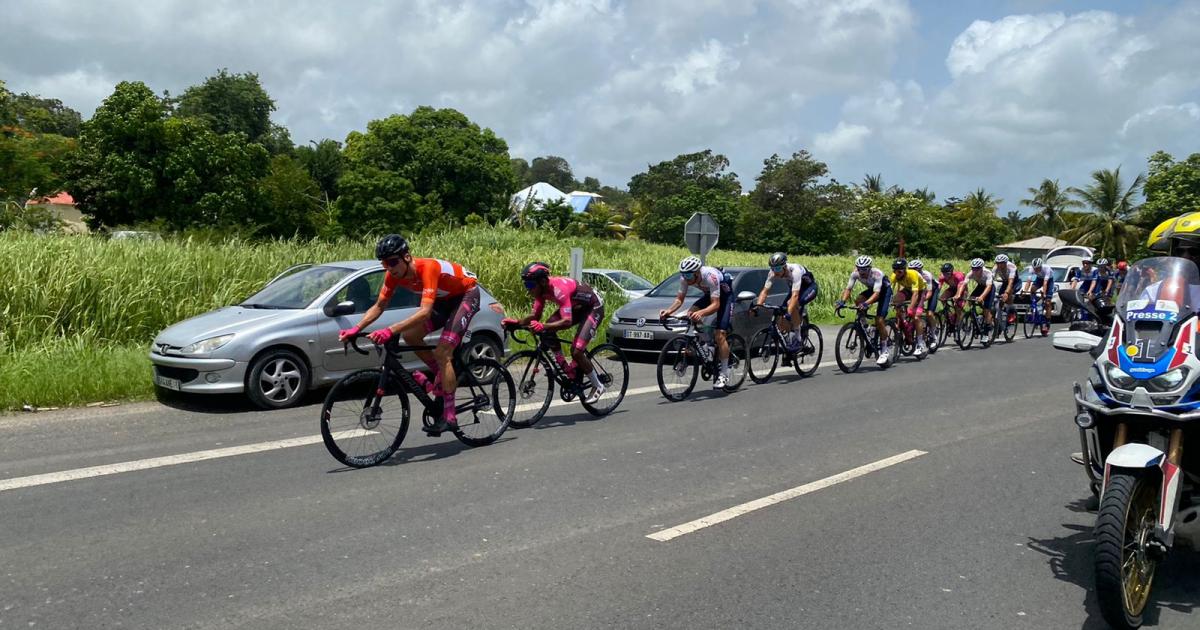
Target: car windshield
[670, 288]
[299, 289]
[1060, 274]
[630, 281]
[1162, 288]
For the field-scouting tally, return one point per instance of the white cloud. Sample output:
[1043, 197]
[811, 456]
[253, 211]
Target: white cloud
[841, 140]
[984, 42]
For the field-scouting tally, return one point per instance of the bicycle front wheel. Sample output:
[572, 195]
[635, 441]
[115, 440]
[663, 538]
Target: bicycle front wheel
[764, 355]
[485, 417]
[678, 367]
[1028, 324]
[850, 348]
[965, 334]
[613, 371]
[535, 387]
[812, 346]
[362, 424]
[738, 358]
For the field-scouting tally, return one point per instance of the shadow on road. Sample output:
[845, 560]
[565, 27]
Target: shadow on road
[1069, 558]
[226, 403]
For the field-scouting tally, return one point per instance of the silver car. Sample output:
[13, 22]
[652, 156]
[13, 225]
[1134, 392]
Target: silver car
[283, 340]
[613, 282]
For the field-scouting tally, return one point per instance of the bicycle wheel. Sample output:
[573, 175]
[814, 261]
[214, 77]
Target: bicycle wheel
[764, 355]
[812, 346]
[738, 360]
[904, 342]
[850, 348]
[1010, 329]
[485, 417]
[932, 337]
[535, 387]
[678, 367]
[944, 325]
[362, 424]
[987, 332]
[966, 331]
[893, 335]
[613, 371]
[1028, 323]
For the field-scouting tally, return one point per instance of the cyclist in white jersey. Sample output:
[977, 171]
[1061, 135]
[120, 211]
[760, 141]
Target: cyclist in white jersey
[879, 293]
[717, 298]
[983, 291]
[803, 290]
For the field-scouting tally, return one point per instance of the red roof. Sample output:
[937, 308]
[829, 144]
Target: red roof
[61, 198]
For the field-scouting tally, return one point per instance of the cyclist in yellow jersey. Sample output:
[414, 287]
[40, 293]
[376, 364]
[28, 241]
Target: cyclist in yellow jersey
[910, 288]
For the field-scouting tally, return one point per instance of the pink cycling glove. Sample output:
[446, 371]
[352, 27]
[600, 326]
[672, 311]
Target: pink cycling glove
[381, 336]
[536, 326]
[346, 333]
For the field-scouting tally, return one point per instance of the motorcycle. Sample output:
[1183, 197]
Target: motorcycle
[1135, 412]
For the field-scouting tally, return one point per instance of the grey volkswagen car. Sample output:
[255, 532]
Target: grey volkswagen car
[635, 327]
[283, 341]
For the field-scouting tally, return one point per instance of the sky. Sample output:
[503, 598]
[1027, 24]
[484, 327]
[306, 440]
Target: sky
[952, 96]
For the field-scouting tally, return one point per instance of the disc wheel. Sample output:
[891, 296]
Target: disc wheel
[534, 380]
[612, 369]
[1124, 570]
[764, 355]
[363, 424]
[678, 368]
[850, 348]
[812, 347]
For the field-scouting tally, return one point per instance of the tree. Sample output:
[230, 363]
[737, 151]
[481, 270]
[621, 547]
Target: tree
[601, 221]
[230, 103]
[1050, 202]
[883, 219]
[551, 215]
[1018, 224]
[376, 201]
[520, 169]
[324, 162]
[980, 201]
[210, 179]
[787, 212]
[669, 192]
[1172, 188]
[872, 183]
[590, 184]
[31, 161]
[453, 166]
[292, 199]
[553, 170]
[45, 115]
[1109, 228]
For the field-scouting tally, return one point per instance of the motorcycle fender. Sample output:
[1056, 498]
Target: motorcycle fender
[1134, 456]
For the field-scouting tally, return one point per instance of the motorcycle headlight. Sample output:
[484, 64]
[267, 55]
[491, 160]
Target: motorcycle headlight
[1118, 377]
[208, 345]
[1170, 380]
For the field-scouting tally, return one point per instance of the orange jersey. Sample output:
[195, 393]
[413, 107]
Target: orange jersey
[435, 279]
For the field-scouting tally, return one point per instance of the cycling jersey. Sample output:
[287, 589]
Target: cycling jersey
[1087, 279]
[434, 280]
[910, 281]
[952, 280]
[708, 280]
[1003, 271]
[1104, 283]
[983, 278]
[578, 303]
[1039, 278]
[793, 273]
[717, 285]
[875, 280]
[932, 284]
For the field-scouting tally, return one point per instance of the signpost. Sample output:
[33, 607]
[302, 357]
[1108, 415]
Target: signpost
[576, 263]
[700, 233]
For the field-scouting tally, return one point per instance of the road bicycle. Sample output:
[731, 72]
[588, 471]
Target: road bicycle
[948, 317]
[1035, 320]
[686, 357]
[1006, 326]
[906, 328]
[769, 345]
[365, 415]
[537, 371]
[971, 325]
[859, 339]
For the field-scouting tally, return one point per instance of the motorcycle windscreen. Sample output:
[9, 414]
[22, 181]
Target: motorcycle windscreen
[1158, 294]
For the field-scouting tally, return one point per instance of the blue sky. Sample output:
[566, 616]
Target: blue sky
[949, 95]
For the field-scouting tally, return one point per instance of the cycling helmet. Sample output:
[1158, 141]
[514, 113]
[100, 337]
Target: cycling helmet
[1122, 266]
[947, 268]
[689, 265]
[1037, 262]
[977, 263]
[1102, 262]
[863, 261]
[899, 264]
[1087, 260]
[1175, 232]
[916, 264]
[778, 259]
[1001, 258]
[391, 245]
[535, 271]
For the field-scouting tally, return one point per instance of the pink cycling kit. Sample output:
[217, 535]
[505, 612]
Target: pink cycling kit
[577, 303]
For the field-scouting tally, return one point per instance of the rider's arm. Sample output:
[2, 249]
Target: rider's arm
[794, 299]
[564, 319]
[429, 288]
[762, 295]
[375, 311]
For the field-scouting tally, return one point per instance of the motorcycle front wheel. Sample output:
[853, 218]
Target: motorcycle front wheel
[1124, 566]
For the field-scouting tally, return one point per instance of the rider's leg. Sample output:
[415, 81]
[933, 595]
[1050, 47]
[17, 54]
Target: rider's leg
[452, 333]
[416, 337]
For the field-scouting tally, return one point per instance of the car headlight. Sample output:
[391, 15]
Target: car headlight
[1118, 377]
[613, 320]
[1170, 380]
[208, 345]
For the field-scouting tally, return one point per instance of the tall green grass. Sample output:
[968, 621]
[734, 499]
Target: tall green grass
[62, 297]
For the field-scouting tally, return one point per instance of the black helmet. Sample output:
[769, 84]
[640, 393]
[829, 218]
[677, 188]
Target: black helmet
[777, 259]
[899, 264]
[535, 271]
[391, 245]
[947, 267]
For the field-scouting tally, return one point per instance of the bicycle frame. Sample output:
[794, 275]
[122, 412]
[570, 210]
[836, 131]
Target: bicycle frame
[692, 333]
[394, 371]
[546, 356]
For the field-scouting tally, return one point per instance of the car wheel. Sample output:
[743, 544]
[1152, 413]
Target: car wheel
[278, 379]
[482, 347]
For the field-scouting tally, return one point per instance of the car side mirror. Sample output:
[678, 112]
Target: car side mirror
[746, 295]
[1075, 341]
[339, 309]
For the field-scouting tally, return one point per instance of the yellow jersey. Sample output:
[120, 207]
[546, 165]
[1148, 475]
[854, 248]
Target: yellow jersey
[910, 281]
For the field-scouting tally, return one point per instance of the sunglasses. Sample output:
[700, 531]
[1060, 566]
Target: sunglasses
[529, 284]
[391, 262]
[776, 267]
[687, 275]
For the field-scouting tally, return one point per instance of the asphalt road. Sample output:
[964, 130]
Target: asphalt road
[983, 524]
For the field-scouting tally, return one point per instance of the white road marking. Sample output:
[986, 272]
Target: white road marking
[779, 497]
[159, 462]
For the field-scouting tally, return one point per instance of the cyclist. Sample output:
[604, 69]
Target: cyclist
[803, 290]
[879, 293]
[910, 290]
[932, 290]
[1085, 283]
[449, 301]
[982, 294]
[1041, 279]
[951, 280]
[1122, 271]
[717, 298]
[578, 305]
[1005, 274]
[1107, 278]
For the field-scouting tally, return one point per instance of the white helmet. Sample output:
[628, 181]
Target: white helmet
[1102, 262]
[1037, 262]
[1001, 258]
[977, 263]
[862, 261]
[689, 264]
[916, 264]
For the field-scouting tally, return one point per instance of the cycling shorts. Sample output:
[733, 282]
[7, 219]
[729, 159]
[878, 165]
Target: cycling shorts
[724, 316]
[587, 316]
[453, 314]
[882, 304]
[987, 304]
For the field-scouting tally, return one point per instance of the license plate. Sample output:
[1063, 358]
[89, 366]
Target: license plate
[167, 383]
[639, 334]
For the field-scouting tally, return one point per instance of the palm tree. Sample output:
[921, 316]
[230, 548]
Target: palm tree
[872, 183]
[1018, 224]
[1050, 201]
[1109, 227]
[980, 202]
